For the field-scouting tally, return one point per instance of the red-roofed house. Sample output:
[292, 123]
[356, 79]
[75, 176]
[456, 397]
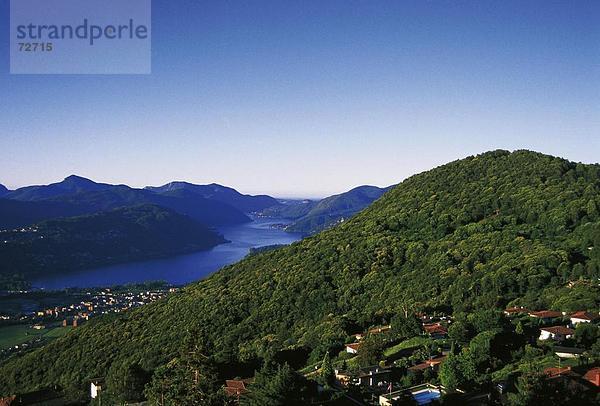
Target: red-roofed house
[546, 315]
[236, 388]
[435, 330]
[557, 333]
[583, 317]
[419, 367]
[352, 348]
[431, 363]
[593, 376]
[553, 372]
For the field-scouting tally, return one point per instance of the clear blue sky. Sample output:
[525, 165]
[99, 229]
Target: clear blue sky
[308, 98]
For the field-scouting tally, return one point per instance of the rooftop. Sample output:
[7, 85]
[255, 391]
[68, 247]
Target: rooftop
[593, 376]
[546, 314]
[434, 329]
[559, 330]
[427, 364]
[554, 372]
[584, 316]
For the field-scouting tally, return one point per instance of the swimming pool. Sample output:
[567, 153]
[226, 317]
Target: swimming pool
[424, 397]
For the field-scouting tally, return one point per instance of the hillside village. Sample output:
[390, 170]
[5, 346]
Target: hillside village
[412, 360]
[381, 366]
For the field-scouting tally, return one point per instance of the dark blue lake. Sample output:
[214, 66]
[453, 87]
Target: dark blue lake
[181, 269]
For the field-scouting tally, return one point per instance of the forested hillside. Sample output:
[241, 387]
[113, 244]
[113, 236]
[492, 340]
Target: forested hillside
[483, 232]
[126, 234]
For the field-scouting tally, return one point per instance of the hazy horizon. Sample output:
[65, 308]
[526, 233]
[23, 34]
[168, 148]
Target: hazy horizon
[257, 192]
[306, 99]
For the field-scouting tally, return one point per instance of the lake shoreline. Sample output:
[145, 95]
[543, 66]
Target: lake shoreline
[177, 270]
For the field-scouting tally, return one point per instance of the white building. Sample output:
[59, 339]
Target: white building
[352, 348]
[96, 388]
[556, 333]
[568, 352]
[583, 317]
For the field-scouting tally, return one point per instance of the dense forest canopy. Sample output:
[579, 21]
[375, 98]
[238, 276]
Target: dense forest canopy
[479, 233]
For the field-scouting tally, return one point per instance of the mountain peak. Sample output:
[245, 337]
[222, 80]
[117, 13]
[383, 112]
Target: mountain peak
[69, 185]
[78, 180]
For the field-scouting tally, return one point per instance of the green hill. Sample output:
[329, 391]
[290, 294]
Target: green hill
[476, 233]
[119, 235]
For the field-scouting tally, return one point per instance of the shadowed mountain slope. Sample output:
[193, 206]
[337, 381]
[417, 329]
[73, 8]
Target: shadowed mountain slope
[125, 234]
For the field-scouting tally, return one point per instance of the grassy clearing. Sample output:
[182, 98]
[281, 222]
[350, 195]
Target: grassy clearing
[410, 343]
[19, 334]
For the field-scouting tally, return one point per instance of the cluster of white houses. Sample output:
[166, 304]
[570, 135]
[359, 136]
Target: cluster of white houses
[558, 332]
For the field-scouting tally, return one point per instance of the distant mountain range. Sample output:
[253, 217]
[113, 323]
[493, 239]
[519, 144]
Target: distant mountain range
[209, 212]
[311, 217]
[119, 235]
[212, 205]
[230, 196]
